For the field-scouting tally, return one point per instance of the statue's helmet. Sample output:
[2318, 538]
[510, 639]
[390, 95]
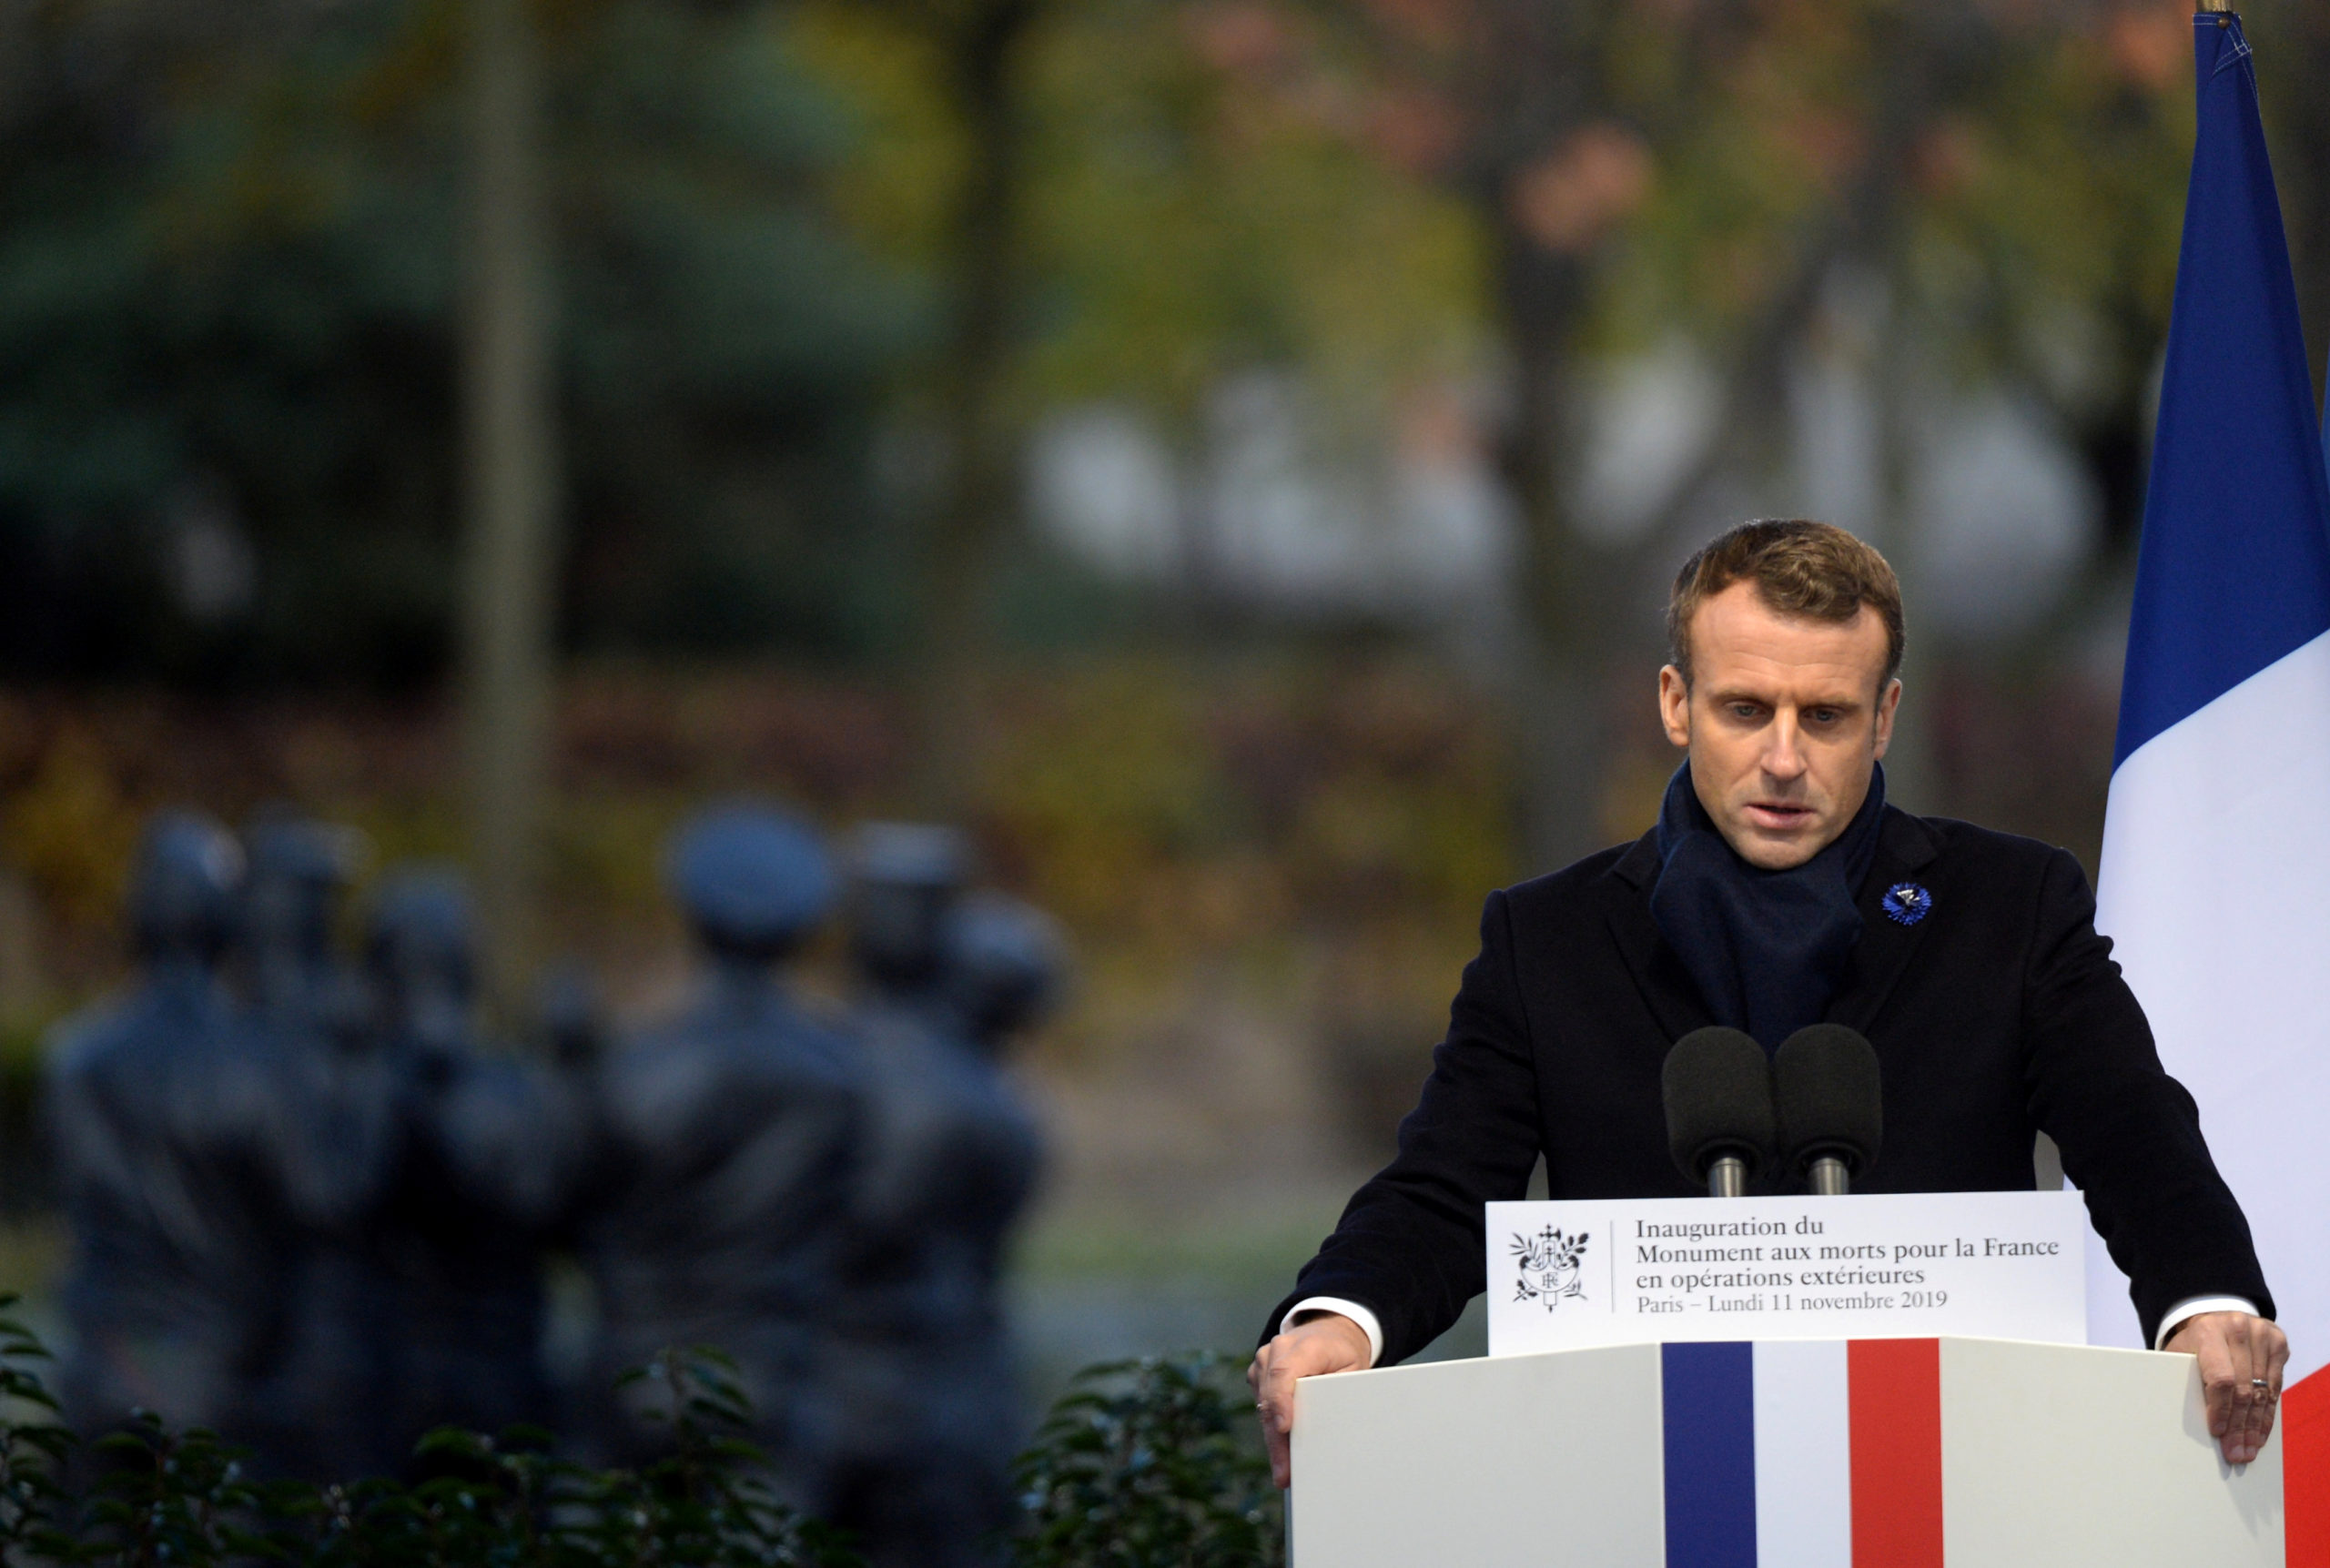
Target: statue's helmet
[422, 938]
[182, 891]
[754, 880]
[1005, 964]
[298, 867]
[904, 879]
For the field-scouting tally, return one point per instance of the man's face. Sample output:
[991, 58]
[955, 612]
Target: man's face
[1785, 721]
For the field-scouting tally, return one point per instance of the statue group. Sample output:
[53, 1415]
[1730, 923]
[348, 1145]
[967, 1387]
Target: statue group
[312, 1208]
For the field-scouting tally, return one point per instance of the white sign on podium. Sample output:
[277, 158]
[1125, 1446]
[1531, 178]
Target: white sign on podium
[1995, 1265]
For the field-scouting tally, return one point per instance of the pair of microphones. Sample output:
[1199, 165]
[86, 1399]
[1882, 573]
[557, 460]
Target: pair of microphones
[1815, 1107]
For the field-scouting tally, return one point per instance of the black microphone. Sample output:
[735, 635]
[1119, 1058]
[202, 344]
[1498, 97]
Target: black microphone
[1720, 1126]
[1831, 1098]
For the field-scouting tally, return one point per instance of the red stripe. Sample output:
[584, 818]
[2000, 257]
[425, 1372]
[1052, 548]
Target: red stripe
[1895, 1390]
[2305, 1473]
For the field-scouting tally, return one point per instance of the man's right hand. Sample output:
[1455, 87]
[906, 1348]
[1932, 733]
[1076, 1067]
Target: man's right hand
[1326, 1343]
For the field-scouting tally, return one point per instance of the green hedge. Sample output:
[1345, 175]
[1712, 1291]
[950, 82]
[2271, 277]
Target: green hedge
[1145, 1464]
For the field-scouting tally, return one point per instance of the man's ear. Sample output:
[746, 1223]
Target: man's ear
[1674, 706]
[1885, 706]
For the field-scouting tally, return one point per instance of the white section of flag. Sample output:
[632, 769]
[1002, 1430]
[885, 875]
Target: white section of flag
[1804, 1472]
[2216, 891]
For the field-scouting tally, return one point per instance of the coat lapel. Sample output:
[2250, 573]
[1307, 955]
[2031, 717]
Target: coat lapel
[1905, 846]
[1666, 988]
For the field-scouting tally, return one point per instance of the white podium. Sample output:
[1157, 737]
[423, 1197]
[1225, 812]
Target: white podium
[1809, 1453]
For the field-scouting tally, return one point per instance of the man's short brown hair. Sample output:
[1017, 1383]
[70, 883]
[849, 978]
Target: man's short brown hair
[1801, 568]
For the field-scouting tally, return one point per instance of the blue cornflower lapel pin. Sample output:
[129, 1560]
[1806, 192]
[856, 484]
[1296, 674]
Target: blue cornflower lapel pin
[1907, 903]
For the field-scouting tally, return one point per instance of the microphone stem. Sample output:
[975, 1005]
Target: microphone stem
[1727, 1178]
[1829, 1177]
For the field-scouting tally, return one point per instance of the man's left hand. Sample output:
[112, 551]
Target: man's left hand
[2241, 1358]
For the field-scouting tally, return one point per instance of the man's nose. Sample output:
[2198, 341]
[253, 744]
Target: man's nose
[1784, 753]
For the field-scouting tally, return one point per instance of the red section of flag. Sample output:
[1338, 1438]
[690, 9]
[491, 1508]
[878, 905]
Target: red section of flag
[1895, 1391]
[2305, 1473]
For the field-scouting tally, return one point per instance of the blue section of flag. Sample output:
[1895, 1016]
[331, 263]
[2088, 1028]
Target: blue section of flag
[1709, 1394]
[2234, 571]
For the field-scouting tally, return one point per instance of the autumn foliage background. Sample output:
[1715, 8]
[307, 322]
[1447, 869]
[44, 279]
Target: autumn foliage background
[1226, 452]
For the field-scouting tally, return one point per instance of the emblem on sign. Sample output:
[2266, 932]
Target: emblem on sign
[1906, 904]
[1550, 1269]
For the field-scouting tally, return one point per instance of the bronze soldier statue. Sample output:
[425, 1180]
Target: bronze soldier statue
[488, 1150]
[727, 1136]
[317, 1412]
[194, 1157]
[920, 1384]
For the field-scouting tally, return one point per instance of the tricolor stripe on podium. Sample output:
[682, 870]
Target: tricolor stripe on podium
[1827, 1455]
[2306, 1473]
[1804, 1454]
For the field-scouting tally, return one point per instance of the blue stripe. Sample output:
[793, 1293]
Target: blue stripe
[2234, 569]
[1709, 1392]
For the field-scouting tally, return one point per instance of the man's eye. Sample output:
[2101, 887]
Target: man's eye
[1744, 710]
[1823, 715]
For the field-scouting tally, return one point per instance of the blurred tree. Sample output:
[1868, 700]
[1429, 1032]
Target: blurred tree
[226, 287]
[1640, 168]
[2060, 286]
[188, 351]
[510, 534]
[1136, 208]
[2041, 251]
[2293, 38]
[979, 45]
[727, 337]
[226, 324]
[1217, 187]
[1221, 195]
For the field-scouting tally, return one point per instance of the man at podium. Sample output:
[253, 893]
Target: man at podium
[1778, 890]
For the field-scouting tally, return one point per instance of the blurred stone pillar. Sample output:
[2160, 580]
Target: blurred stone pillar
[509, 393]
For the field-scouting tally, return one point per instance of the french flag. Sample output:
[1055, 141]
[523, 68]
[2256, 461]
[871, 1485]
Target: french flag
[2215, 879]
[1813, 1453]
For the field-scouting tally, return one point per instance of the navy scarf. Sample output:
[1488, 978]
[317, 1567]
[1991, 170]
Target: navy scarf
[1766, 948]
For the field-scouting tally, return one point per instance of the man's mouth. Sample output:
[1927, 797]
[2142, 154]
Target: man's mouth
[1779, 815]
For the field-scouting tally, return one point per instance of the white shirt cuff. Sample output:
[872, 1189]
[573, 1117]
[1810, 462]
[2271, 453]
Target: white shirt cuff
[1351, 1309]
[2190, 1307]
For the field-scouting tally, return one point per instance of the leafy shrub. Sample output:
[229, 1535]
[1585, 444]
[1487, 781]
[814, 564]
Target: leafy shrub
[1155, 1463]
[1146, 1464]
[167, 1498]
[164, 1499]
[33, 1447]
